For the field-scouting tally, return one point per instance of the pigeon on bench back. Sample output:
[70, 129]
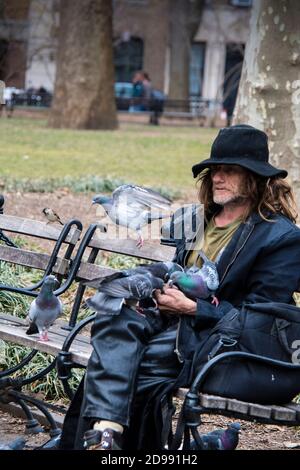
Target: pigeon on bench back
[134, 207]
[45, 309]
[198, 283]
[113, 293]
[220, 439]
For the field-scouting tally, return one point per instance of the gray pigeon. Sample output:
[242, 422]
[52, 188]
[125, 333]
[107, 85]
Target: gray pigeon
[161, 269]
[134, 207]
[199, 283]
[45, 309]
[16, 444]
[220, 439]
[113, 293]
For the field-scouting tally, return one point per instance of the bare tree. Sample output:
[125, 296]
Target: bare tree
[269, 92]
[84, 93]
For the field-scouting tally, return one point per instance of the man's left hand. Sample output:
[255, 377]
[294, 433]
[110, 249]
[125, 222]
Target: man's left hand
[174, 301]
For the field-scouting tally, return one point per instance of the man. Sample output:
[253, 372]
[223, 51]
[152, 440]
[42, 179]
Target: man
[136, 364]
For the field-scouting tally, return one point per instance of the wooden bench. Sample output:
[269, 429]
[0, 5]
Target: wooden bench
[55, 256]
[72, 349]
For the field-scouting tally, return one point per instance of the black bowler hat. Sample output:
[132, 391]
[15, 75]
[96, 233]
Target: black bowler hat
[241, 145]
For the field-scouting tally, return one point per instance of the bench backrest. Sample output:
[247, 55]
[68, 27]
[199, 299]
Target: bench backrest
[37, 230]
[151, 251]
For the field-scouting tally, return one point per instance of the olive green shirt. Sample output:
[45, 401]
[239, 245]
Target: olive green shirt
[214, 241]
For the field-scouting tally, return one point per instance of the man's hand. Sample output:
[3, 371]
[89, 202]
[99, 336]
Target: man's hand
[174, 301]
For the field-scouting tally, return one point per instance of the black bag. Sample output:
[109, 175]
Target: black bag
[268, 329]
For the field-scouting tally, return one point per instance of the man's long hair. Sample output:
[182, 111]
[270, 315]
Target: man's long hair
[267, 195]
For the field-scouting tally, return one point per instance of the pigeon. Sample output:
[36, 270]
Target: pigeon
[113, 293]
[44, 309]
[195, 282]
[16, 444]
[220, 439]
[133, 207]
[161, 269]
[51, 215]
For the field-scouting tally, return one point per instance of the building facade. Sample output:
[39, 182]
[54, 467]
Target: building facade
[153, 35]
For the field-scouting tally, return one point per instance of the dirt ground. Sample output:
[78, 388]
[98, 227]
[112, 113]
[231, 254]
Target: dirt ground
[68, 205]
[252, 436]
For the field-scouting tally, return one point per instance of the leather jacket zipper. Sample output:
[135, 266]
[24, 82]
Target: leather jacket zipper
[235, 256]
[176, 350]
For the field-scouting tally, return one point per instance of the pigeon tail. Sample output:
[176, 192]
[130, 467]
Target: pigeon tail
[32, 330]
[105, 304]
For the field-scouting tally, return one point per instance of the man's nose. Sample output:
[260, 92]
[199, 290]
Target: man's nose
[219, 175]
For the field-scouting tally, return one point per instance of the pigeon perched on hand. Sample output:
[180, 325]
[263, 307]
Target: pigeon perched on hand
[16, 444]
[199, 283]
[45, 309]
[133, 207]
[130, 289]
[220, 439]
[51, 215]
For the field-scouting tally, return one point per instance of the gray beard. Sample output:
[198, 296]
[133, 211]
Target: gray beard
[234, 201]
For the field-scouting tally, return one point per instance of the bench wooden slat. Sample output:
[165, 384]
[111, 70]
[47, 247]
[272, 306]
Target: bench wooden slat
[151, 251]
[281, 413]
[295, 407]
[31, 259]
[35, 228]
[89, 271]
[237, 406]
[211, 401]
[13, 329]
[288, 412]
[260, 411]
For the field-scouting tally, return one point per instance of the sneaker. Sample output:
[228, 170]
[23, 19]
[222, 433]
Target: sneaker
[102, 440]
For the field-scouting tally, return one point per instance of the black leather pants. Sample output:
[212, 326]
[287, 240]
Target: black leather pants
[129, 356]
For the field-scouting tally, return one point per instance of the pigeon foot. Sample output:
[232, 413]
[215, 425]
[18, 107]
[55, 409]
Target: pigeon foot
[140, 242]
[44, 337]
[215, 301]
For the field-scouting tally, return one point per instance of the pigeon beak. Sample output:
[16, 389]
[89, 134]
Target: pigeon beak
[170, 283]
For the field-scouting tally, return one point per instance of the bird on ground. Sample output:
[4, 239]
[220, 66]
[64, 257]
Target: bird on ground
[134, 207]
[51, 216]
[16, 444]
[161, 269]
[45, 309]
[199, 283]
[112, 294]
[220, 439]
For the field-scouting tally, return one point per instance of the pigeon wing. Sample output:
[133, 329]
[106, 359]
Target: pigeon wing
[117, 288]
[144, 196]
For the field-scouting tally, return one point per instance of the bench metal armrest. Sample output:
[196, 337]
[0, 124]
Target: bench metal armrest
[203, 373]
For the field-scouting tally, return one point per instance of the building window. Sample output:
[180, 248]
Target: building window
[233, 69]
[241, 3]
[196, 68]
[128, 58]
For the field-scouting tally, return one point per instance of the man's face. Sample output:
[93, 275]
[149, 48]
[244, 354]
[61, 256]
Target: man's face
[228, 182]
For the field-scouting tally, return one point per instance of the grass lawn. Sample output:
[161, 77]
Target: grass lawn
[149, 155]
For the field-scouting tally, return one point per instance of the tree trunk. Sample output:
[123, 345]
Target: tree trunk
[269, 92]
[84, 86]
[184, 21]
